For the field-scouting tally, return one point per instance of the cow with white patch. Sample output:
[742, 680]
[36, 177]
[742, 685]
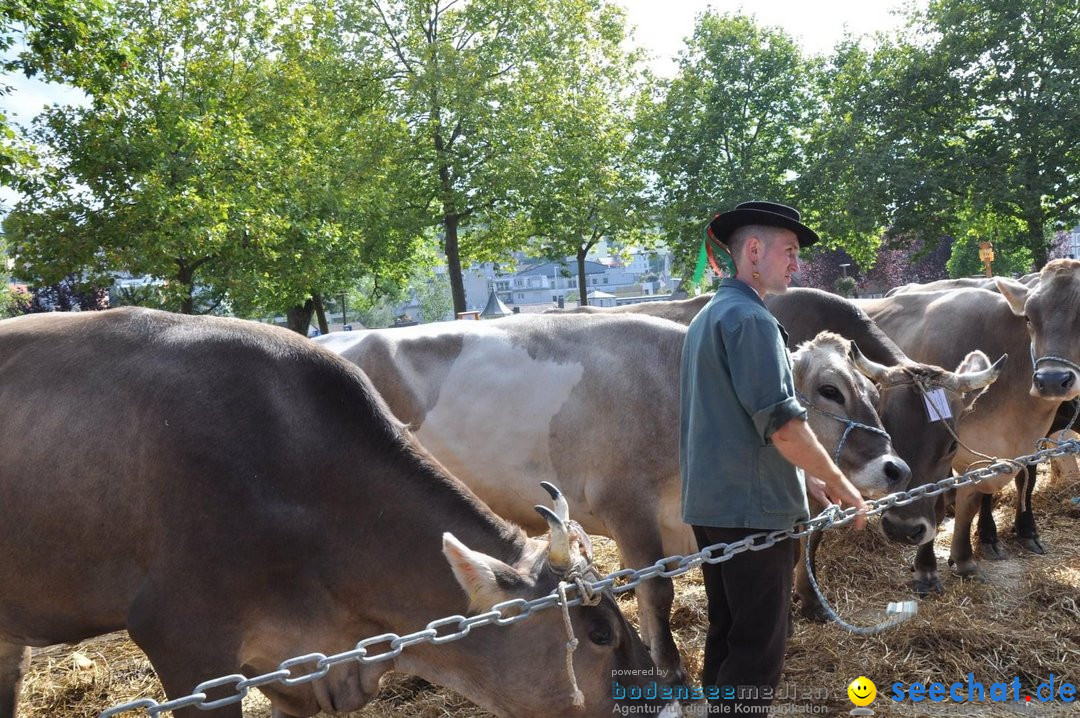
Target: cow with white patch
[1039, 327]
[590, 403]
[234, 496]
[927, 447]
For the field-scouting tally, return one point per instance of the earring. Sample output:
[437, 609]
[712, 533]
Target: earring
[756, 274]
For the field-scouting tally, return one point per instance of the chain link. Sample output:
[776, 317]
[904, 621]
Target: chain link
[518, 609]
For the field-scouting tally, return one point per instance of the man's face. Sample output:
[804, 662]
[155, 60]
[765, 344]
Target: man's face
[779, 259]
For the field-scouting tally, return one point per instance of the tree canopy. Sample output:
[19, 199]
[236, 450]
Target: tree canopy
[262, 156]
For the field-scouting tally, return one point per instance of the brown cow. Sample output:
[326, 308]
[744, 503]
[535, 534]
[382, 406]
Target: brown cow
[1041, 323]
[1024, 522]
[235, 496]
[927, 447]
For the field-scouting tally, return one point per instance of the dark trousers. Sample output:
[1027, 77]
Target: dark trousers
[749, 603]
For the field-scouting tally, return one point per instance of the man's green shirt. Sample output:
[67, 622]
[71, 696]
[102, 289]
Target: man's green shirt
[737, 389]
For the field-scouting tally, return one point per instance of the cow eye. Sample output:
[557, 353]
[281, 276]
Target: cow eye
[831, 393]
[600, 634]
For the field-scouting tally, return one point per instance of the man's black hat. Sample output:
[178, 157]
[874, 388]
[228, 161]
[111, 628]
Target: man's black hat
[769, 214]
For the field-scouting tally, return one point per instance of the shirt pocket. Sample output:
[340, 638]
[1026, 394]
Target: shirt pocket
[781, 491]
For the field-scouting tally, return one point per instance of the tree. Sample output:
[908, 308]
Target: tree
[841, 189]
[1001, 81]
[474, 83]
[60, 40]
[152, 176]
[239, 153]
[594, 182]
[730, 127]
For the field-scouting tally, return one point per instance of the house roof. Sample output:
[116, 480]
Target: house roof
[495, 307]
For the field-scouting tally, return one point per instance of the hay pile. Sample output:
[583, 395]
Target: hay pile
[1023, 621]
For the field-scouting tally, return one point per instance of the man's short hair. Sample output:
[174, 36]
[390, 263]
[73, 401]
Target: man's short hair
[739, 235]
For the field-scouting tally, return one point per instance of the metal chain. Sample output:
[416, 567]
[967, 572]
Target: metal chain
[290, 672]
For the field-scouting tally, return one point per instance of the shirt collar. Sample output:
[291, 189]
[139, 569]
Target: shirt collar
[741, 286]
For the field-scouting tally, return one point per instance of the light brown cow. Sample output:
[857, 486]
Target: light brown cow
[928, 448]
[590, 403]
[1024, 521]
[235, 496]
[676, 310]
[1041, 323]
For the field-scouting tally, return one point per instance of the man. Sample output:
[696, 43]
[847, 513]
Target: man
[743, 433]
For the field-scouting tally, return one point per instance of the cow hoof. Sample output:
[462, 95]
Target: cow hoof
[992, 550]
[1034, 545]
[923, 587]
[968, 571]
[813, 612]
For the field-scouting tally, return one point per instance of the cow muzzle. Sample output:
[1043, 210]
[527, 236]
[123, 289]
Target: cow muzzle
[1054, 383]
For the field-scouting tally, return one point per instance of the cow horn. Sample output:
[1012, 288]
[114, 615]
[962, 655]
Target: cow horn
[873, 371]
[972, 380]
[559, 546]
[562, 509]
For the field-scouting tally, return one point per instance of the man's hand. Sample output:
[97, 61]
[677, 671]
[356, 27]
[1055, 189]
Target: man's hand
[820, 492]
[797, 444]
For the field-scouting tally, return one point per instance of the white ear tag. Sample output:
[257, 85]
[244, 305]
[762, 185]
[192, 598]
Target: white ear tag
[937, 405]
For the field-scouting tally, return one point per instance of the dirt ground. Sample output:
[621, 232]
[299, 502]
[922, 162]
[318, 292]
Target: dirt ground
[1022, 622]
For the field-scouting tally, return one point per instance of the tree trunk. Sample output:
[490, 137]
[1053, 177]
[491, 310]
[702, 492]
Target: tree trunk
[300, 317]
[186, 277]
[1036, 240]
[583, 293]
[320, 313]
[453, 262]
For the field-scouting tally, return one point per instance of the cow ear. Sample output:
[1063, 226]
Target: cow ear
[975, 361]
[1015, 293]
[485, 579]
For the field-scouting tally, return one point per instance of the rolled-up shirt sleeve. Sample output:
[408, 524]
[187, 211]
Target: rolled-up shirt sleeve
[761, 373]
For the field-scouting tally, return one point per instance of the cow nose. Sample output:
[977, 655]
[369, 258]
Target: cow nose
[914, 534]
[897, 471]
[1054, 381]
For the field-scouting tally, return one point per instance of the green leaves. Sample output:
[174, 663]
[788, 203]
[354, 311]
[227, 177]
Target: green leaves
[732, 125]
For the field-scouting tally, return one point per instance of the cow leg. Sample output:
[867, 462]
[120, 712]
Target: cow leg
[962, 557]
[989, 545]
[1025, 518]
[925, 578]
[810, 605]
[14, 660]
[655, 598]
[183, 649]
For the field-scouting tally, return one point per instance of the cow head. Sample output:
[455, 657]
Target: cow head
[928, 446]
[831, 374]
[1054, 325]
[528, 656]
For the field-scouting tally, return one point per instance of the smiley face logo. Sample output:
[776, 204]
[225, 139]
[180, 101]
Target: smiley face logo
[862, 691]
